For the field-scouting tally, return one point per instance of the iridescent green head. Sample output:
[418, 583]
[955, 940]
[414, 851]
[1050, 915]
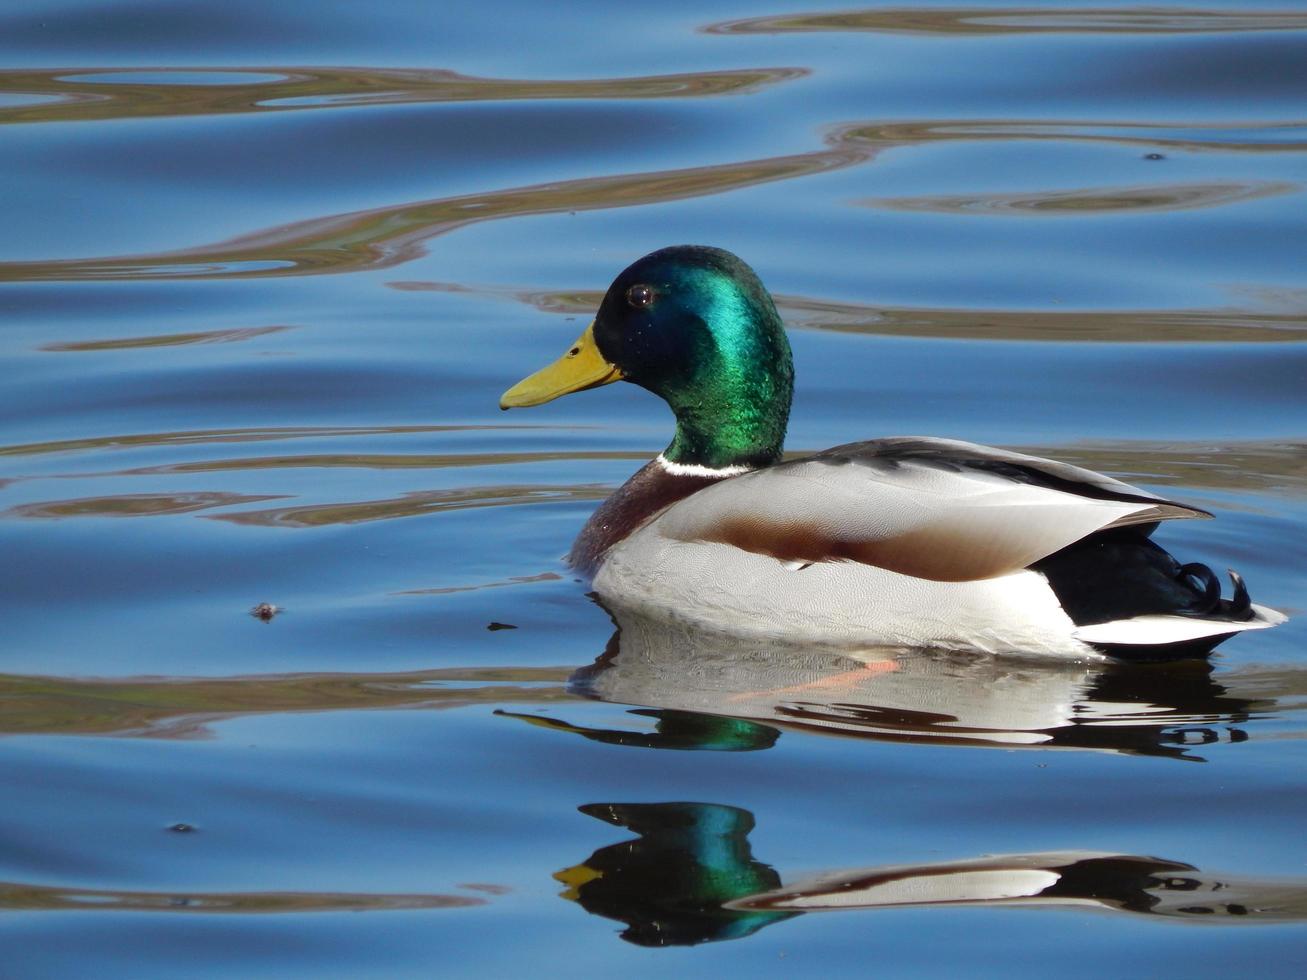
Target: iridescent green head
[695, 326]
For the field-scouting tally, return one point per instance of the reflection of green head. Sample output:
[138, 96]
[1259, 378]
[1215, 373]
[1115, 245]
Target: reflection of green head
[684, 730]
[670, 883]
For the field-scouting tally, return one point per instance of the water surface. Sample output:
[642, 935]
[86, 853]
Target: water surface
[265, 274]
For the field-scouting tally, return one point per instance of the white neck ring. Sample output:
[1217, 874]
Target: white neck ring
[694, 469]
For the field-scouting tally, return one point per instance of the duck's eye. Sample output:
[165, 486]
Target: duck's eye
[640, 296]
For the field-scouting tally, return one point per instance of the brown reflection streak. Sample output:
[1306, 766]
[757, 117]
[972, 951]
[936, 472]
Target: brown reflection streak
[1113, 326]
[392, 461]
[165, 340]
[1149, 134]
[1279, 467]
[412, 505]
[1173, 197]
[44, 898]
[489, 889]
[268, 434]
[577, 301]
[1259, 467]
[386, 237]
[165, 707]
[515, 580]
[82, 100]
[135, 505]
[1019, 20]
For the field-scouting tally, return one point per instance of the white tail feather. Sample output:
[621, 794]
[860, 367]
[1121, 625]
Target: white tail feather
[1151, 630]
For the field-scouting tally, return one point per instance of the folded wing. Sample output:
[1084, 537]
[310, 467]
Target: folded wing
[930, 508]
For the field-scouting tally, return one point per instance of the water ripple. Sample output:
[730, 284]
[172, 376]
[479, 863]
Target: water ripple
[1111, 326]
[413, 504]
[1287, 135]
[389, 236]
[230, 336]
[375, 461]
[1094, 200]
[384, 237]
[24, 896]
[972, 21]
[135, 504]
[180, 707]
[86, 94]
[263, 434]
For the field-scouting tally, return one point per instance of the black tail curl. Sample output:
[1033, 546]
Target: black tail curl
[1238, 608]
[1204, 579]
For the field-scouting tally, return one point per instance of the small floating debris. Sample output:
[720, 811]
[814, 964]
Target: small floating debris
[1154, 156]
[501, 626]
[265, 611]
[182, 828]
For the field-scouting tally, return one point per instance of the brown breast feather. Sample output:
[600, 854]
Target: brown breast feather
[648, 492]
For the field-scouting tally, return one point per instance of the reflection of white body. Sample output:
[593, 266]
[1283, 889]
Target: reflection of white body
[872, 691]
[1117, 882]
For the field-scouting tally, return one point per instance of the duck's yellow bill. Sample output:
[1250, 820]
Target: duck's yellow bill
[580, 368]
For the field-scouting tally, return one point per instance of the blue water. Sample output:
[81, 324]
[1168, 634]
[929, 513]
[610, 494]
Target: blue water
[264, 272]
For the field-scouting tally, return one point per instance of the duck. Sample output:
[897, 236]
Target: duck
[906, 542]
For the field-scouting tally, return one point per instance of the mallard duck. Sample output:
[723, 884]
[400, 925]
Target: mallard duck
[908, 541]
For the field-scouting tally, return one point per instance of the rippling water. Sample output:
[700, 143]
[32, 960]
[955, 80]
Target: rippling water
[267, 268]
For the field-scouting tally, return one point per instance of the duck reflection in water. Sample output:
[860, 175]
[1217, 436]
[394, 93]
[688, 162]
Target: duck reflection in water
[671, 884]
[710, 691]
[689, 876]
